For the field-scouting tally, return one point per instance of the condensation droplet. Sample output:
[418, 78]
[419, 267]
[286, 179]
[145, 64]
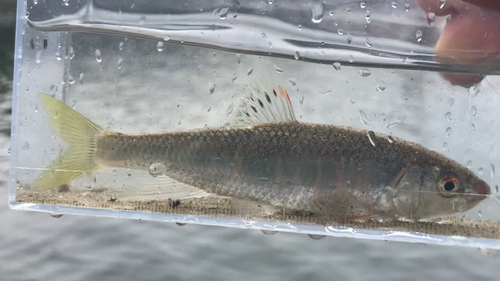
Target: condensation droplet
[492, 171]
[430, 18]
[249, 71]
[58, 55]
[66, 2]
[337, 65]
[368, 43]
[473, 128]
[263, 179]
[368, 17]
[269, 232]
[317, 12]
[480, 171]
[230, 109]
[38, 57]
[371, 137]
[301, 100]
[364, 72]
[394, 5]
[82, 75]
[445, 147]
[54, 215]
[381, 86]
[442, 3]
[473, 111]
[479, 214]
[316, 236]
[407, 7]
[120, 47]
[448, 116]
[448, 132]
[278, 69]
[418, 35]
[299, 26]
[362, 5]
[390, 139]
[211, 87]
[157, 169]
[98, 57]
[159, 46]
[270, 2]
[71, 80]
[223, 13]
[180, 223]
[296, 55]
[340, 31]
[120, 63]
[469, 164]
[292, 81]
[362, 117]
[71, 52]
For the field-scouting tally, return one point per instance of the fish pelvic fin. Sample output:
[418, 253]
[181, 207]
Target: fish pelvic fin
[262, 104]
[81, 135]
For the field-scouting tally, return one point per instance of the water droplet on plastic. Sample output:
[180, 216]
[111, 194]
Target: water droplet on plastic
[270, 2]
[371, 137]
[66, 2]
[211, 87]
[368, 43]
[120, 46]
[263, 35]
[340, 31]
[394, 5]
[166, 38]
[317, 12]
[364, 72]
[278, 69]
[390, 139]
[269, 232]
[418, 35]
[82, 75]
[442, 3]
[120, 63]
[337, 65]
[362, 5]
[38, 57]
[157, 169]
[71, 80]
[349, 39]
[473, 128]
[301, 100]
[368, 17]
[263, 179]
[159, 46]
[479, 214]
[473, 111]
[296, 55]
[430, 18]
[469, 164]
[448, 116]
[71, 53]
[142, 20]
[98, 57]
[230, 109]
[380, 86]
[270, 45]
[249, 71]
[292, 81]
[54, 215]
[223, 13]
[58, 55]
[445, 147]
[316, 236]
[35, 2]
[180, 223]
[8, 151]
[362, 117]
[492, 171]
[480, 171]
[448, 132]
[407, 7]
[299, 26]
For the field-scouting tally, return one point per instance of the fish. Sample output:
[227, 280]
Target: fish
[268, 157]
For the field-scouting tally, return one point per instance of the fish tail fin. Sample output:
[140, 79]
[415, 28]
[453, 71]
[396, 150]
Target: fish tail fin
[80, 134]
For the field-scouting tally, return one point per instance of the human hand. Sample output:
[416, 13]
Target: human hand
[472, 34]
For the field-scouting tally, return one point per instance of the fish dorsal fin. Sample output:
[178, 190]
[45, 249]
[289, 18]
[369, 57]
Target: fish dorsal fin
[263, 104]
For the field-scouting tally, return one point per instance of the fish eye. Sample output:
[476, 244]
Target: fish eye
[447, 185]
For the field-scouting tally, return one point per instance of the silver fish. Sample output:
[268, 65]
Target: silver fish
[271, 158]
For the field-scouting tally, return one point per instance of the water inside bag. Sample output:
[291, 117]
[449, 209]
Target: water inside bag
[141, 67]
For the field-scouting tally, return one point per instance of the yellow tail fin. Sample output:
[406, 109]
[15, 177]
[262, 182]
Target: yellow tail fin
[80, 133]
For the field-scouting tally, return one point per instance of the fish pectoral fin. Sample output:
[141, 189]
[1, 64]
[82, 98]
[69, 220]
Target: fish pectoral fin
[264, 104]
[248, 207]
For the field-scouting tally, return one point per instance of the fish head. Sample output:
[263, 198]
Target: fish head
[437, 189]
